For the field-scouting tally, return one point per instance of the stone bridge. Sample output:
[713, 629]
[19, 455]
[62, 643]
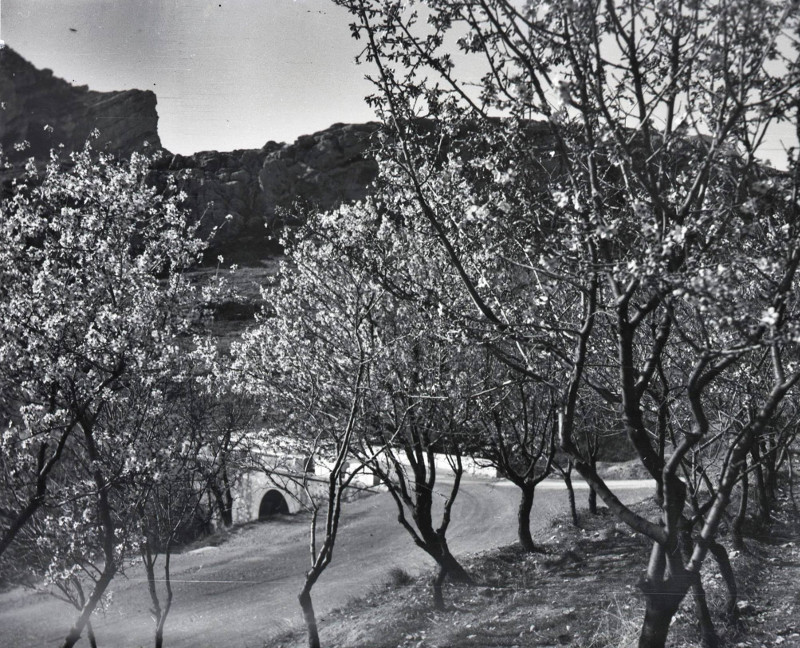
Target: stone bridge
[283, 485]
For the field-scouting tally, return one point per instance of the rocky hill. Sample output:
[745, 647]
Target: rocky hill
[240, 191]
[32, 99]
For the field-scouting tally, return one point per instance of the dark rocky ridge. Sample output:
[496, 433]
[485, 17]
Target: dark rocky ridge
[241, 191]
[32, 99]
[238, 191]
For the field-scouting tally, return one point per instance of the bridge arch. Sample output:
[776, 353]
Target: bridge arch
[257, 495]
[272, 503]
[281, 484]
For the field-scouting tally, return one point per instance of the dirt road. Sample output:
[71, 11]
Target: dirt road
[244, 591]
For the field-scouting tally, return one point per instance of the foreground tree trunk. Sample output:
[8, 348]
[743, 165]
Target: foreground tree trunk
[449, 567]
[338, 482]
[308, 615]
[102, 583]
[771, 459]
[162, 620]
[661, 604]
[435, 545]
[454, 569]
[438, 581]
[79, 601]
[708, 634]
[224, 501]
[415, 493]
[720, 555]
[524, 519]
[657, 618]
[790, 464]
[159, 613]
[108, 534]
[90, 634]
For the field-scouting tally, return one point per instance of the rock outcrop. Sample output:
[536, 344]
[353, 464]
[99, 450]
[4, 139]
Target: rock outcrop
[241, 192]
[33, 99]
[238, 194]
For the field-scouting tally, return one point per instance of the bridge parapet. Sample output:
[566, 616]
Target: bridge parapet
[287, 483]
[444, 465]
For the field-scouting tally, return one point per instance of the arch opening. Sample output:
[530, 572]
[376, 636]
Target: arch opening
[273, 503]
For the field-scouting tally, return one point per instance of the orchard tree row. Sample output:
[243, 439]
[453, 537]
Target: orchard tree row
[113, 430]
[573, 227]
[573, 234]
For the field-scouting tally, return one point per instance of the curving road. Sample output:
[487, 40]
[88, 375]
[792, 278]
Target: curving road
[240, 593]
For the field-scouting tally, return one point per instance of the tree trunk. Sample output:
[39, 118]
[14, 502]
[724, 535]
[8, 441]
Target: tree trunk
[761, 486]
[657, 618]
[708, 636]
[109, 542]
[524, 519]
[224, 504]
[571, 492]
[162, 619]
[309, 617]
[438, 581]
[592, 501]
[660, 607]
[226, 515]
[726, 570]
[100, 587]
[90, 634]
[662, 600]
[449, 567]
[738, 520]
[791, 482]
[592, 491]
[226, 511]
[453, 569]
[149, 567]
[771, 459]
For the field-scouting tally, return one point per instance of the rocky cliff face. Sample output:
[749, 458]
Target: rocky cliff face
[32, 99]
[241, 191]
[237, 192]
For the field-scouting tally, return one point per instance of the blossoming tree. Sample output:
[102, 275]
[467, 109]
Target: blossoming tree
[92, 306]
[609, 212]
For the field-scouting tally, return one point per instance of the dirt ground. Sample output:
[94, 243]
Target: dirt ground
[240, 588]
[581, 593]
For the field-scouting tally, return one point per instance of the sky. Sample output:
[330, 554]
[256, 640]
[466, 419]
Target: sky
[227, 74]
